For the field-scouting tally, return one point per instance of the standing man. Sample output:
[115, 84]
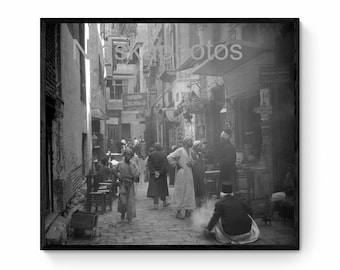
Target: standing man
[198, 170]
[184, 192]
[128, 174]
[227, 164]
[157, 166]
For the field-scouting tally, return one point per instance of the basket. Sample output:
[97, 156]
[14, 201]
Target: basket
[84, 220]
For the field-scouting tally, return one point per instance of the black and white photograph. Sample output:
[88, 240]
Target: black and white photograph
[168, 134]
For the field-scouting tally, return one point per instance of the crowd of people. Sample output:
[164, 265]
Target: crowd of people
[184, 166]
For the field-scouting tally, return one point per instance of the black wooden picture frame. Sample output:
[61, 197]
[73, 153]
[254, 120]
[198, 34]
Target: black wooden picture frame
[105, 80]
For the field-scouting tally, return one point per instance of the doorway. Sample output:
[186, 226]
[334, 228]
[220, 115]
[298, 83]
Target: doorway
[126, 131]
[83, 153]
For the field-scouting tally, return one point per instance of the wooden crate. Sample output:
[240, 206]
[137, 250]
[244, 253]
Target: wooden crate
[81, 221]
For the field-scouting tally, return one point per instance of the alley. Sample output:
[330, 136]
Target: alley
[160, 227]
[228, 87]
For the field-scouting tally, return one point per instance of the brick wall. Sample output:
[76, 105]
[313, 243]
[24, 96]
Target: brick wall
[76, 178]
[64, 189]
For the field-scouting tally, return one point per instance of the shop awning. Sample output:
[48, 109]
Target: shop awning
[216, 67]
[169, 113]
[191, 62]
[97, 113]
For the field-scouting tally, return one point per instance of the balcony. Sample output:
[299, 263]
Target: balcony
[167, 71]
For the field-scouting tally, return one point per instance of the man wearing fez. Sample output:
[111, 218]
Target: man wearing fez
[231, 222]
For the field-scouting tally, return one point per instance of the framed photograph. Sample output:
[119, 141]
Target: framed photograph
[169, 134]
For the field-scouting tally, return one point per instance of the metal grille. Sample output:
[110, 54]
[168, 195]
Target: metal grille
[52, 60]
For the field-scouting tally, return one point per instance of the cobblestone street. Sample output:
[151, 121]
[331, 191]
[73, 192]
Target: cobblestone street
[160, 227]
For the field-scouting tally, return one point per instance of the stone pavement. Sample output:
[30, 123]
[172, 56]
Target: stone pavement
[160, 227]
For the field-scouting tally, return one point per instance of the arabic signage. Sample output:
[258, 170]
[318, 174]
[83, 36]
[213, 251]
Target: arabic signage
[275, 75]
[134, 102]
[112, 121]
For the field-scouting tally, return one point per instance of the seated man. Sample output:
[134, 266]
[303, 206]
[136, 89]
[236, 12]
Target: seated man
[284, 201]
[231, 222]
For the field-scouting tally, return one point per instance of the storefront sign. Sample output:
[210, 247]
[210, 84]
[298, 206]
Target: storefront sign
[112, 121]
[134, 102]
[275, 75]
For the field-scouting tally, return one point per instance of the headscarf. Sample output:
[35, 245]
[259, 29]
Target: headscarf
[196, 143]
[186, 140]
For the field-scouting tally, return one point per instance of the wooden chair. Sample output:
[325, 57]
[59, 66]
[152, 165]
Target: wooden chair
[96, 181]
[108, 197]
[95, 199]
[245, 185]
[211, 178]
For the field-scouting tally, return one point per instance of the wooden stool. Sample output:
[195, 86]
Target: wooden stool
[95, 199]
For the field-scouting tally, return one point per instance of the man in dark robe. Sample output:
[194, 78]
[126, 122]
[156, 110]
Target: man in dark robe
[231, 222]
[227, 163]
[158, 187]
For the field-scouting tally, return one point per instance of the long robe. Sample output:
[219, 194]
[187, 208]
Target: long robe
[198, 170]
[158, 187]
[227, 165]
[127, 201]
[184, 191]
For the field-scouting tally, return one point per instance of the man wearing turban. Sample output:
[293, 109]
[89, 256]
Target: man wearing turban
[128, 174]
[184, 192]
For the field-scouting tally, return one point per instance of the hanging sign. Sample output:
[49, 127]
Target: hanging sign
[134, 102]
[275, 75]
[112, 121]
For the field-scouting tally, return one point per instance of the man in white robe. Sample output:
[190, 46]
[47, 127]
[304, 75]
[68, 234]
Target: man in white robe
[184, 191]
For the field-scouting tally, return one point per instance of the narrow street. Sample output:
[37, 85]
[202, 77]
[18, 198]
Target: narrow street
[229, 88]
[160, 227]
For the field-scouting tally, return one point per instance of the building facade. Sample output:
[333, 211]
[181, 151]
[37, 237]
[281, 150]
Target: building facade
[235, 75]
[66, 139]
[169, 89]
[125, 94]
[99, 116]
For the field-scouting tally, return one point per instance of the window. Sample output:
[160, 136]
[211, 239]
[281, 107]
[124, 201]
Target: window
[118, 88]
[170, 98]
[100, 76]
[82, 78]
